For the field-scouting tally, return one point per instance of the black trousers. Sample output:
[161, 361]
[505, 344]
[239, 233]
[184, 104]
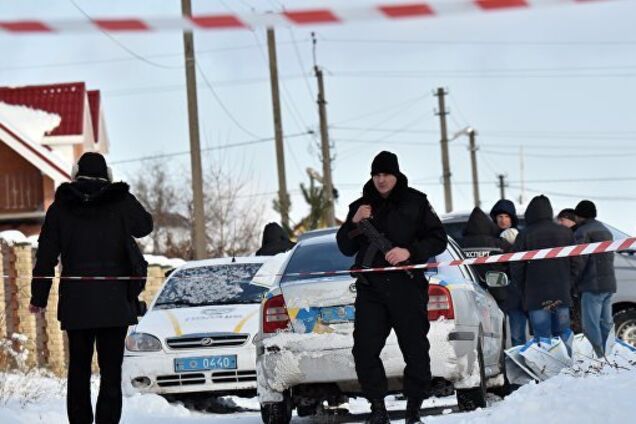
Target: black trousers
[110, 355]
[397, 303]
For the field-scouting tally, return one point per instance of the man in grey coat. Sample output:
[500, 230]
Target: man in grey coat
[596, 281]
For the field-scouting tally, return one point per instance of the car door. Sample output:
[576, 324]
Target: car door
[490, 315]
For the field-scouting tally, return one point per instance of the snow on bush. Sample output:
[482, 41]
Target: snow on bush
[13, 353]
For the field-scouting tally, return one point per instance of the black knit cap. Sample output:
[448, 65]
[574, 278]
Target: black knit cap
[567, 213]
[92, 165]
[385, 163]
[585, 209]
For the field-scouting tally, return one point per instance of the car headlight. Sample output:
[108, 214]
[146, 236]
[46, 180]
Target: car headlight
[142, 342]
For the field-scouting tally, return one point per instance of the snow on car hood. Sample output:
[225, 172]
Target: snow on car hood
[164, 323]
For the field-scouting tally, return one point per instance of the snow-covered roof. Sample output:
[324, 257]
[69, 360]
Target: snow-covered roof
[22, 129]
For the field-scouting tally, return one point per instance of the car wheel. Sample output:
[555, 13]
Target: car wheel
[277, 412]
[471, 399]
[625, 322]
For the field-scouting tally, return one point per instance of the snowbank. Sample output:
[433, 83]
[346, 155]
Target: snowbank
[605, 396]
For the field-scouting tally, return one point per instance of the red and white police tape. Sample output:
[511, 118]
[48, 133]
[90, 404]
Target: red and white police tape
[530, 255]
[292, 17]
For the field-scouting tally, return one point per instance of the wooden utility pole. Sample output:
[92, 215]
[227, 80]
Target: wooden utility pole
[446, 173]
[473, 163]
[502, 186]
[198, 229]
[283, 196]
[330, 217]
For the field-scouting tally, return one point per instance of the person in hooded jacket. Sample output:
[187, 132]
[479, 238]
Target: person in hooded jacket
[596, 281]
[504, 215]
[392, 300]
[88, 227]
[545, 284]
[481, 239]
[274, 241]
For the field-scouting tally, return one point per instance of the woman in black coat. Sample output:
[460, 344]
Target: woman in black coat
[89, 227]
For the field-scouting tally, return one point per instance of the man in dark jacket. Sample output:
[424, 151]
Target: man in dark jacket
[596, 282]
[88, 226]
[504, 215]
[545, 284]
[274, 241]
[393, 299]
[480, 239]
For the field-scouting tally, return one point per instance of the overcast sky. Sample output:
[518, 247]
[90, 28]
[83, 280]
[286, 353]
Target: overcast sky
[558, 81]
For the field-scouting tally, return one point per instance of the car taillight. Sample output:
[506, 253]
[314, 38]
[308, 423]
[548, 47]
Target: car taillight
[275, 315]
[440, 303]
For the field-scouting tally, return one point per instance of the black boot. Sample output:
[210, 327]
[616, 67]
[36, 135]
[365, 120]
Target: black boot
[412, 416]
[379, 414]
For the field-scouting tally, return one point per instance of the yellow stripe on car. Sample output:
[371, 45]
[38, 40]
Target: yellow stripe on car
[242, 322]
[175, 323]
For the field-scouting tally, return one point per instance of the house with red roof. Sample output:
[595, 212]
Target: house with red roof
[43, 131]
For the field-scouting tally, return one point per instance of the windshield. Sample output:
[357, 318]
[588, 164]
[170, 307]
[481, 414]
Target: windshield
[211, 285]
[327, 257]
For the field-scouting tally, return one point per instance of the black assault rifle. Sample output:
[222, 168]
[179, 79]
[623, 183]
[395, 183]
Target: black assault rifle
[377, 243]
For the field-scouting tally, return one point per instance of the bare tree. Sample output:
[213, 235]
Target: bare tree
[156, 189]
[233, 217]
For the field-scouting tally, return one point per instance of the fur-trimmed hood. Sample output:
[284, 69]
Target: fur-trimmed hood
[90, 193]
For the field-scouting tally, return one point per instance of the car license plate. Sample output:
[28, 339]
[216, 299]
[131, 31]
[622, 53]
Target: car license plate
[203, 363]
[337, 314]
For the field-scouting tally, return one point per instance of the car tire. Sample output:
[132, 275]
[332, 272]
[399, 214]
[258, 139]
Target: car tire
[473, 398]
[278, 412]
[625, 325]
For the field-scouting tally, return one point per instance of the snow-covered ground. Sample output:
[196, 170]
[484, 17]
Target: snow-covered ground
[590, 393]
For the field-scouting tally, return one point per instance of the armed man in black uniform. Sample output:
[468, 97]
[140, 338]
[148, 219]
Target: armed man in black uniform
[391, 300]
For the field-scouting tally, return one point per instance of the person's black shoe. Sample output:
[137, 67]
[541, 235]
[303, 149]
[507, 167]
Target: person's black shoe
[412, 416]
[379, 414]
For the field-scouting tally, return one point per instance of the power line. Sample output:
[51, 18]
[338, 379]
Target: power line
[127, 58]
[580, 196]
[178, 87]
[123, 46]
[301, 65]
[587, 135]
[207, 149]
[566, 43]
[221, 104]
[389, 75]
[569, 156]
[381, 110]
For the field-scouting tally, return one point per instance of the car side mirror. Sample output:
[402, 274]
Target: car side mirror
[142, 308]
[497, 279]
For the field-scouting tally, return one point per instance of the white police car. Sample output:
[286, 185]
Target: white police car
[197, 333]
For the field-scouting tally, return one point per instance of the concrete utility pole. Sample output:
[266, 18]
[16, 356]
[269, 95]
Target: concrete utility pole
[473, 164]
[522, 196]
[324, 141]
[502, 185]
[446, 173]
[198, 229]
[283, 196]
